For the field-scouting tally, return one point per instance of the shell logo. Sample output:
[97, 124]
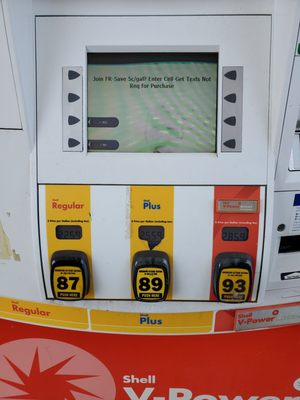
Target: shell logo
[44, 369]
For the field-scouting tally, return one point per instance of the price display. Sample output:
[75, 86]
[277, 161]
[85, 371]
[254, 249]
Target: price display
[68, 232]
[236, 234]
[153, 234]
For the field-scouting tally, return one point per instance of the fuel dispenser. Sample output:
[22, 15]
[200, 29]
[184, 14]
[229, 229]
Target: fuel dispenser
[150, 212]
[122, 181]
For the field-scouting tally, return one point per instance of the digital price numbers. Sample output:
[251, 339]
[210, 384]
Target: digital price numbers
[68, 232]
[235, 234]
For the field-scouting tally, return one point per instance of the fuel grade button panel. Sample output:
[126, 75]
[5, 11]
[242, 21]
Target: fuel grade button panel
[233, 277]
[150, 275]
[69, 275]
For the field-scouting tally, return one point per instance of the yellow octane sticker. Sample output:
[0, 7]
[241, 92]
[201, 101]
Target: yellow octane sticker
[151, 283]
[234, 284]
[68, 283]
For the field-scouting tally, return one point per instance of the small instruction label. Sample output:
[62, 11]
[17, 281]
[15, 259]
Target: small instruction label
[295, 223]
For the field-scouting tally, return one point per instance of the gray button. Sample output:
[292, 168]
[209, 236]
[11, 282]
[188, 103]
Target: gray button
[73, 142]
[232, 109]
[231, 144]
[73, 74]
[73, 120]
[103, 122]
[231, 98]
[72, 129]
[231, 75]
[230, 121]
[73, 97]
[103, 144]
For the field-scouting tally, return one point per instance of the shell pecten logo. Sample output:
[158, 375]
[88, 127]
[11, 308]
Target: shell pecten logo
[45, 369]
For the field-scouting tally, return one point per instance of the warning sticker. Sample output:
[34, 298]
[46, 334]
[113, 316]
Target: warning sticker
[266, 317]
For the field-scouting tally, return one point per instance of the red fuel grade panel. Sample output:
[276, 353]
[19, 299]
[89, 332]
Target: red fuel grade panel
[235, 219]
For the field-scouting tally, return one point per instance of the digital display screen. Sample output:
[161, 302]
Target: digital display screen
[152, 102]
[236, 234]
[68, 232]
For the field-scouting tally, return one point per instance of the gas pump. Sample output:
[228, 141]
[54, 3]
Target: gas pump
[150, 209]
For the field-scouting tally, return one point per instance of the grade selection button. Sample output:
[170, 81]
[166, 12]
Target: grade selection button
[232, 279]
[70, 275]
[150, 275]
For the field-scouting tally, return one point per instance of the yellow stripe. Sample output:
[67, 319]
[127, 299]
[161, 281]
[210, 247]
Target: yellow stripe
[44, 314]
[70, 205]
[105, 321]
[179, 323]
[160, 212]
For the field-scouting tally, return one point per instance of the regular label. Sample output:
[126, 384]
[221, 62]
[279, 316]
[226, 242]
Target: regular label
[234, 285]
[68, 283]
[150, 283]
